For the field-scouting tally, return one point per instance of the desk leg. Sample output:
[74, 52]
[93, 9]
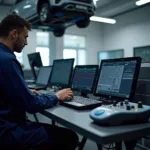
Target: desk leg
[118, 146]
[130, 145]
[53, 123]
[35, 117]
[99, 146]
[82, 143]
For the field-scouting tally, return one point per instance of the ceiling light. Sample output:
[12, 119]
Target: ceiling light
[104, 20]
[95, 1]
[142, 2]
[26, 6]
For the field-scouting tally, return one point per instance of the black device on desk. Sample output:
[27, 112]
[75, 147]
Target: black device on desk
[83, 80]
[34, 61]
[61, 73]
[42, 79]
[117, 79]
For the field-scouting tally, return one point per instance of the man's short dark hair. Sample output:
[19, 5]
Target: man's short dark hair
[11, 22]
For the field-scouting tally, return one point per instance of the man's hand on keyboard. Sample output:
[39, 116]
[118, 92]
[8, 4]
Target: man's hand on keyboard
[65, 94]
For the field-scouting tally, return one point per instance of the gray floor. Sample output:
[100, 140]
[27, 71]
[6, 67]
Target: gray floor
[90, 145]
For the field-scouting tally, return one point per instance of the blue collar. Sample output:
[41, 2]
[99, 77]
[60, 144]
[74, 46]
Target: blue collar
[6, 48]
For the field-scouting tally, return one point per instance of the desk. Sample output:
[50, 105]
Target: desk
[30, 81]
[80, 122]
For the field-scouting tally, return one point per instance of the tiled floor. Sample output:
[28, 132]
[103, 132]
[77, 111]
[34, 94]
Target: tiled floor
[90, 145]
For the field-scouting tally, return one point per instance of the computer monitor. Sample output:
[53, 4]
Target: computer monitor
[44, 75]
[117, 78]
[84, 78]
[61, 73]
[34, 61]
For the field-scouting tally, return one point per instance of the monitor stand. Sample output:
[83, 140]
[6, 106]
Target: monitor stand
[108, 100]
[84, 94]
[33, 71]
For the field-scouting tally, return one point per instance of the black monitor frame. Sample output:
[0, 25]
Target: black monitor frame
[85, 92]
[60, 85]
[34, 61]
[134, 83]
[50, 66]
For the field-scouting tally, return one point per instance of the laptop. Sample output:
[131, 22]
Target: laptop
[42, 79]
[83, 80]
[60, 75]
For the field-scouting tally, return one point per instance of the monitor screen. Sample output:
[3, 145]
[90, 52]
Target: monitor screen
[61, 72]
[44, 75]
[118, 77]
[35, 59]
[84, 78]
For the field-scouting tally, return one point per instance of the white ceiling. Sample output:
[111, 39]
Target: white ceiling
[111, 8]
[7, 2]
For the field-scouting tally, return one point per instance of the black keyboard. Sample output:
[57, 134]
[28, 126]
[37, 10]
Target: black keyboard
[83, 100]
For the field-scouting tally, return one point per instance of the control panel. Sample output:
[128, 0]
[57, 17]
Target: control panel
[120, 113]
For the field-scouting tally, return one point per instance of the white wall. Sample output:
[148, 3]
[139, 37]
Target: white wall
[30, 48]
[94, 41]
[4, 11]
[131, 30]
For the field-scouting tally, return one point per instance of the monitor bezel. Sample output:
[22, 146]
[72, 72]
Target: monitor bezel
[70, 75]
[135, 78]
[33, 62]
[85, 66]
[50, 66]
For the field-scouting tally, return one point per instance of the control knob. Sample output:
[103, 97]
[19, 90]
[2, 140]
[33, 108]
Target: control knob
[126, 101]
[132, 107]
[121, 103]
[140, 105]
[128, 107]
[114, 103]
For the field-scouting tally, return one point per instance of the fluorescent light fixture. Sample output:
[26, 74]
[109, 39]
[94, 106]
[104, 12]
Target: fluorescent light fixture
[95, 1]
[104, 20]
[142, 2]
[26, 6]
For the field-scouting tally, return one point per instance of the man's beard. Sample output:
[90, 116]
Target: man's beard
[17, 46]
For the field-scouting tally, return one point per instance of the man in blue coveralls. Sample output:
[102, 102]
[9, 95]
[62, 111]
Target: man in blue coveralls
[16, 98]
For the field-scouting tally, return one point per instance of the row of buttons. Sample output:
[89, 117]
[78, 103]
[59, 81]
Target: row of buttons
[100, 112]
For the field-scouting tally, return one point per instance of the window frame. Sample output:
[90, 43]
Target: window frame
[39, 45]
[141, 49]
[77, 52]
[21, 57]
[115, 50]
[76, 47]
[41, 55]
